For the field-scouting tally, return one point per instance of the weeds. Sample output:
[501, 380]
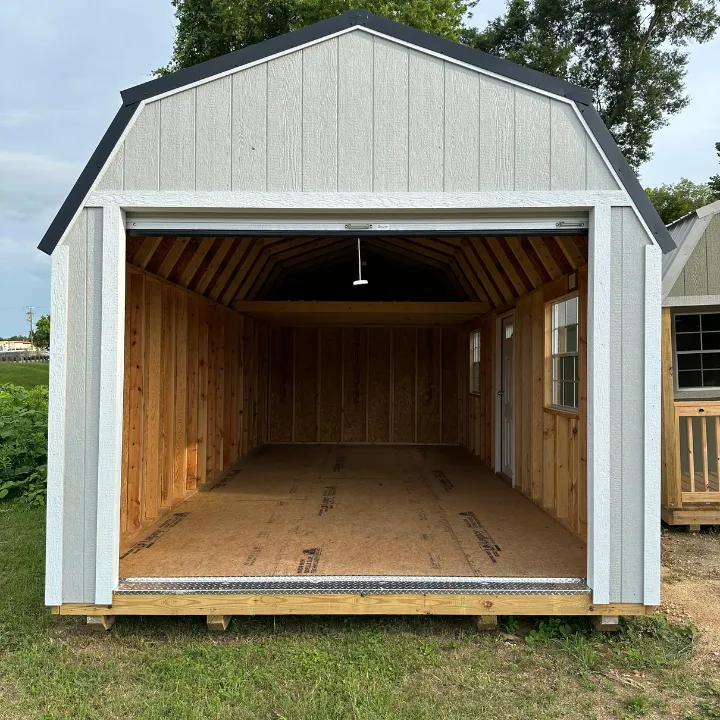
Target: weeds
[23, 443]
[652, 642]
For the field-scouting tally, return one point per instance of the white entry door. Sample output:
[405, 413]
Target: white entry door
[507, 395]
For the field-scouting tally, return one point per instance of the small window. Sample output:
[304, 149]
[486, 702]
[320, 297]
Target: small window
[564, 361]
[697, 346]
[475, 361]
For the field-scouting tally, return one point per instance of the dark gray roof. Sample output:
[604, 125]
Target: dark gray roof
[132, 97]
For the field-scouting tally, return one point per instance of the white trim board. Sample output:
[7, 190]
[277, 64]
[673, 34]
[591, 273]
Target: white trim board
[598, 405]
[112, 375]
[652, 458]
[56, 427]
[691, 300]
[216, 200]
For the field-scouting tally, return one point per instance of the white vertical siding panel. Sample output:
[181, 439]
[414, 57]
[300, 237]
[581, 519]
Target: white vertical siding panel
[651, 524]
[56, 427]
[617, 425]
[568, 145]
[462, 129]
[177, 141]
[249, 127]
[425, 134]
[92, 393]
[107, 548]
[142, 151]
[632, 246]
[599, 176]
[213, 148]
[390, 124]
[284, 123]
[355, 112]
[113, 177]
[319, 107]
[532, 140]
[75, 432]
[496, 162]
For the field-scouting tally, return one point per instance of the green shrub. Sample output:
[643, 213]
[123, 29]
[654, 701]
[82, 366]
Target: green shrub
[23, 443]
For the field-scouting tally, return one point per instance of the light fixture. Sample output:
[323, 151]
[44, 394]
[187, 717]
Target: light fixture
[360, 281]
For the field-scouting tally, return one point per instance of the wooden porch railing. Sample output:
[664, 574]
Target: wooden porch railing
[697, 451]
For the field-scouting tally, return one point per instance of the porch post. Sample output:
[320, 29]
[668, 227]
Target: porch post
[598, 404]
[111, 404]
[653, 384]
[56, 426]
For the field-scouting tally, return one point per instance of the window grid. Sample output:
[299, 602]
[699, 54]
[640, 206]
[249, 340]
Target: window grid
[564, 354]
[697, 350]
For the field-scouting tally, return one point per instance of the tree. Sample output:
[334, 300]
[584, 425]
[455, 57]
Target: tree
[674, 201]
[208, 28]
[714, 181]
[41, 336]
[629, 53]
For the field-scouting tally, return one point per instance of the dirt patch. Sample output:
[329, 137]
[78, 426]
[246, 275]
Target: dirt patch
[691, 587]
[691, 556]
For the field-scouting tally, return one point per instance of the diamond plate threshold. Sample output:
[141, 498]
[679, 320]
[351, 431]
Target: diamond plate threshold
[348, 584]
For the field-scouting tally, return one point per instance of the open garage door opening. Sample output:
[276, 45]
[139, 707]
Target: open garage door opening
[284, 426]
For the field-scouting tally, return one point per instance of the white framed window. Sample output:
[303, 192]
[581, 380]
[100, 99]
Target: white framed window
[475, 361]
[697, 350]
[564, 353]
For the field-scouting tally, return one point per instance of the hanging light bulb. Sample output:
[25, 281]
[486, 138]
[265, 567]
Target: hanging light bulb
[360, 280]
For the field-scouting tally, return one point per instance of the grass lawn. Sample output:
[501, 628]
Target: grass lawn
[334, 668]
[26, 374]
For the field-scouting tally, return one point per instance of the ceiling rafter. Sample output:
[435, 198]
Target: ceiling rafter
[452, 247]
[499, 252]
[172, 256]
[546, 258]
[230, 269]
[470, 284]
[195, 261]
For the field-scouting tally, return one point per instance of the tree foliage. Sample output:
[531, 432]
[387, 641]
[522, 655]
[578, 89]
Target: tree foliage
[208, 28]
[674, 201]
[714, 181]
[41, 336]
[629, 53]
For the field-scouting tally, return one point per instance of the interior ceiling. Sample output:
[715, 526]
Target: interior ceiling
[235, 269]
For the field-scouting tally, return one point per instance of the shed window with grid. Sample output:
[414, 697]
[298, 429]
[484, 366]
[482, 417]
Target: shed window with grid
[564, 362]
[697, 346]
[475, 361]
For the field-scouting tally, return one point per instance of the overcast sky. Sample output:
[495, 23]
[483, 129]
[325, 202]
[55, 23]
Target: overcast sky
[64, 64]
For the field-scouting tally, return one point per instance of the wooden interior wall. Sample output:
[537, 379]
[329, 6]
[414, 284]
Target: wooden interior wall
[479, 413]
[194, 397]
[364, 385]
[550, 445]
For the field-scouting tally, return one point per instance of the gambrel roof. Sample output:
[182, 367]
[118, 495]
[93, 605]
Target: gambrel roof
[135, 97]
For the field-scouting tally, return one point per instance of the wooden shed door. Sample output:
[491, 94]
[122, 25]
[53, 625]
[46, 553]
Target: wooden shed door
[507, 393]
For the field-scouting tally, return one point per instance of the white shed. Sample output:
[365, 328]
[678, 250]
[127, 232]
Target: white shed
[238, 426]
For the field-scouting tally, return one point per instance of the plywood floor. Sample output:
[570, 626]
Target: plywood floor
[357, 510]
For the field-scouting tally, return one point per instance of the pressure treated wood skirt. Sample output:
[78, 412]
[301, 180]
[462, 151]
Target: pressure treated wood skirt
[356, 510]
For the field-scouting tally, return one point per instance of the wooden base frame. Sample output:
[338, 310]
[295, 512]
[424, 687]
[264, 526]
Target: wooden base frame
[692, 516]
[225, 605]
